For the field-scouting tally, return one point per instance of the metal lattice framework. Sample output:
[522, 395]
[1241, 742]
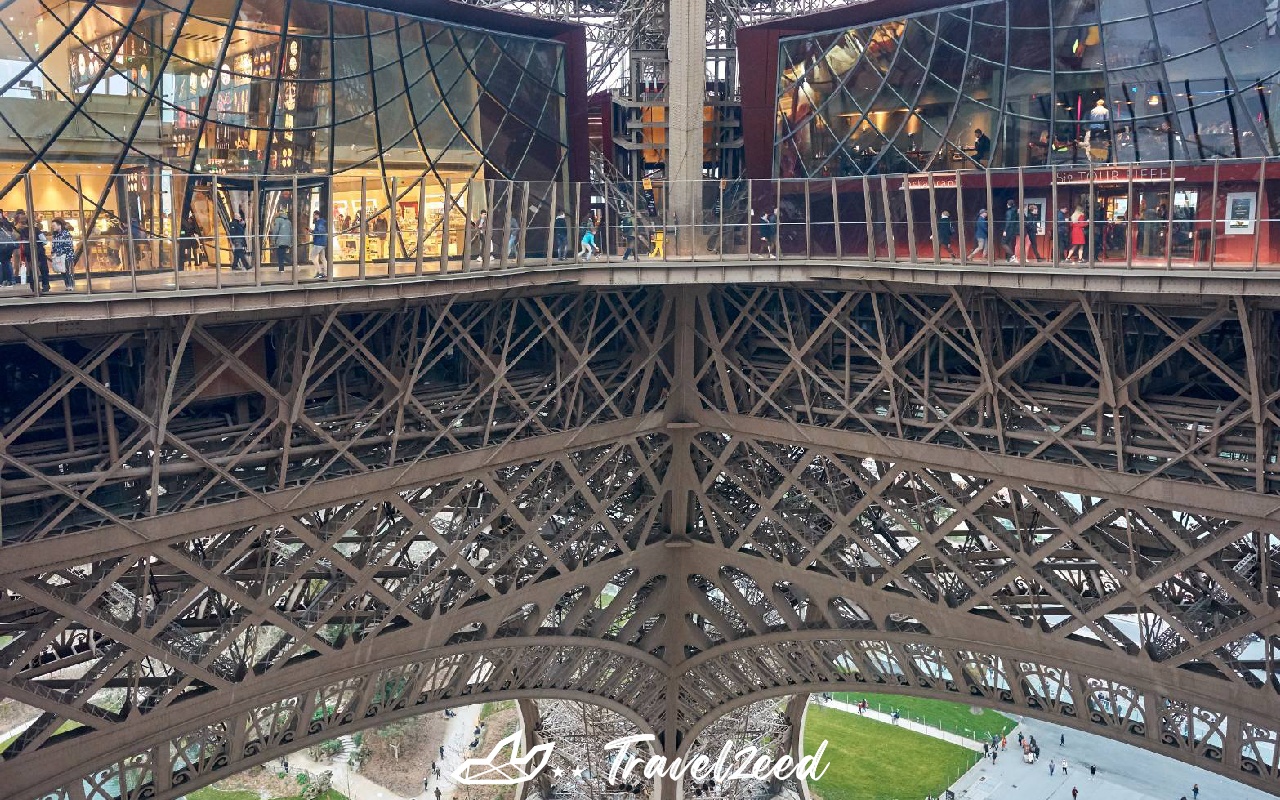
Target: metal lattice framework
[261, 532]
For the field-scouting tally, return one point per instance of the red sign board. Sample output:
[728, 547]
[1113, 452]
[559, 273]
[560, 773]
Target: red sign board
[1115, 175]
[941, 180]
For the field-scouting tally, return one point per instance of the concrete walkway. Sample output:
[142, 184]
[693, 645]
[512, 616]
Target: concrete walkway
[907, 724]
[1124, 772]
[352, 784]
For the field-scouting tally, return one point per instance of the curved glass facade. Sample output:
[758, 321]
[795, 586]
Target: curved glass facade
[1046, 81]
[123, 111]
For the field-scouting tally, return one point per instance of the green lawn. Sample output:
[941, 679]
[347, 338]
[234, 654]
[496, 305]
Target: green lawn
[868, 760]
[63, 728]
[489, 709]
[954, 717]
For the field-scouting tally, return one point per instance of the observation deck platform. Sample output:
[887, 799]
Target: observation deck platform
[205, 291]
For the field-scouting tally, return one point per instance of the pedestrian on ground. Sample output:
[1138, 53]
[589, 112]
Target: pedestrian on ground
[1051, 766]
[8, 246]
[994, 753]
[1004, 742]
[281, 236]
[513, 238]
[1093, 771]
[1079, 236]
[1195, 791]
[1020, 737]
[986, 749]
[442, 751]
[1064, 768]
[895, 716]
[1075, 793]
[319, 243]
[437, 793]
[426, 783]
[284, 762]
[1062, 740]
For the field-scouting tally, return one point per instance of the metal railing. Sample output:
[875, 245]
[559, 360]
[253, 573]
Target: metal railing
[1167, 216]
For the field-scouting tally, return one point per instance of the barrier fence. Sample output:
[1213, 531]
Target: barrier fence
[160, 231]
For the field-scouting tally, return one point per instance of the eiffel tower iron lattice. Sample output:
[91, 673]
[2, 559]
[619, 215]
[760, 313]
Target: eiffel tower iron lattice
[227, 538]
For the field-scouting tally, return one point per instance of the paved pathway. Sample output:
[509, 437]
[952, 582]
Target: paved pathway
[880, 716]
[1125, 772]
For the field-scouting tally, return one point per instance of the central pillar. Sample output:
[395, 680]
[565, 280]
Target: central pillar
[686, 96]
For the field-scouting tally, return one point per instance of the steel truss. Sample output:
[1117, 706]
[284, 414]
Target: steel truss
[671, 504]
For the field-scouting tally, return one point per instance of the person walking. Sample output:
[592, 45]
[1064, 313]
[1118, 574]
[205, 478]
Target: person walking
[1031, 230]
[1079, 227]
[986, 749]
[437, 793]
[1012, 228]
[1195, 791]
[946, 230]
[1051, 767]
[1064, 768]
[64, 252]
[560, 247]
[981, 230]
[442, 751]
[1004, 742]
[588, 240]
[1093, 771]
[769, 233]
[896, 715]
[8, 246]
[1064, 234]
[994, 753]
[1075, 793]
[319, 243]
[513, 238]
[628, 230]
[239, 243]
[1062, 740]
[281, 237]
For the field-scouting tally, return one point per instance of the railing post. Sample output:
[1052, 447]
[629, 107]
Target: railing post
[1258, 206]
[1168, 231]
[933, 218]
[1130, 227]
[364, 224]
[420, 234]
[486, 243]
[575, 230]
[522, 236]
[293, 245]
[253, 229]
[86, 238]
[1020, 243]
[446, 211]
[1053, 194]
[808, 220]
[961, 239]
[553, 209]
[1213, 217]
[913, 252]
[720, 218]
[33, 240]
[393, 225]
[867, 219]
[751, 217]
[890, 238]
[217, 258]
[506, 225]
[130, 253]
[835, 219]
[993, 223]
[175, 228]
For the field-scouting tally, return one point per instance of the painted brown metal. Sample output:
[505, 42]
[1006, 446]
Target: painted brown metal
[670, 502]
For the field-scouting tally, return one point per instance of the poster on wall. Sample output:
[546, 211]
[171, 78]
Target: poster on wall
[1242, 208]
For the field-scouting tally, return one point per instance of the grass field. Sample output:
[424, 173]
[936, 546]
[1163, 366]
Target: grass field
[954, 717]
[869, 760]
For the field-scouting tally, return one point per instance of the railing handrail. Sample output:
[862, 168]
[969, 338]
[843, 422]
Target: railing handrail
[1195, 215]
